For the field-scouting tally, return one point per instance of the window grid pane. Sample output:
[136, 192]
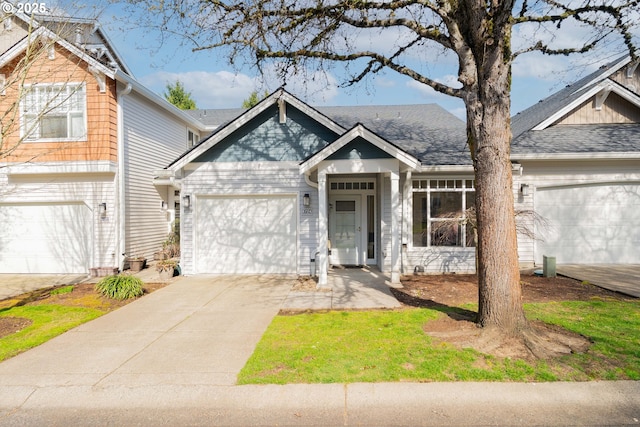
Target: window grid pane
[439, 212]
[54, 112]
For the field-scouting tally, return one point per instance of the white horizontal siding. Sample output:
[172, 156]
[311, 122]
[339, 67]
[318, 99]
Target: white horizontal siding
[221, 179]
[153, 138]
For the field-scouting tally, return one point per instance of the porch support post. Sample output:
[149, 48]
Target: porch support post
[322, 229]
[395, 227]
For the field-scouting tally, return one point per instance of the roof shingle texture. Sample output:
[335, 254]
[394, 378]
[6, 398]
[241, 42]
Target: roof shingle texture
[426, 131]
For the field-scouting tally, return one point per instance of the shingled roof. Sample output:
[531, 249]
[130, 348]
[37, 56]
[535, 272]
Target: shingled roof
[573, 139]
[426, 131]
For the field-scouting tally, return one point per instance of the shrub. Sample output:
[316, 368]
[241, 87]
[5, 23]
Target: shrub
[120, 287]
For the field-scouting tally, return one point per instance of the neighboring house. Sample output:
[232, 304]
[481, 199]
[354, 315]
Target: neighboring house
[287, 188]
[578, 155]
[80, 140]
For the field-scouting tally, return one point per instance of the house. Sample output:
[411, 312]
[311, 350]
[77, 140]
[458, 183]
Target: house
[287, 188]
[576, 158]
[80, 139]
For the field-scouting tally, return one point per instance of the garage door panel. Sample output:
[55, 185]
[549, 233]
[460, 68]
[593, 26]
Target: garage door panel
[45, 238]
[246, 235]
[590, 224]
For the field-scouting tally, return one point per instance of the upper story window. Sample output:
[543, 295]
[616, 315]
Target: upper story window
[440, 209]
[54, 112]
[192, 138]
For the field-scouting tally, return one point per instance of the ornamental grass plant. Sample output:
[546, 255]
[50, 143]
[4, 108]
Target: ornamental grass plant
[120, 287]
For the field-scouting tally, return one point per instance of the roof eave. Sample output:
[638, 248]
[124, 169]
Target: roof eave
[553, 157]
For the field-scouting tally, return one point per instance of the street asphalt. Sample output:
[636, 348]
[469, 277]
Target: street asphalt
[172, 358]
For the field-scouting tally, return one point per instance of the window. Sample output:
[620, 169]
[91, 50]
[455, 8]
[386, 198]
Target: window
[54, 112]
[192, 138]
[440, 208]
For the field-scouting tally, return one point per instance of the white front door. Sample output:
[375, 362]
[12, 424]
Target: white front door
[345, 230]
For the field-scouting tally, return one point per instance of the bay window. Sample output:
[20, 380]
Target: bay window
[54, 112]
[441, 212]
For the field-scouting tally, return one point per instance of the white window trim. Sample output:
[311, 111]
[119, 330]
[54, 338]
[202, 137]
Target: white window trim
[196, 136]
[23, 133]
[428, 190]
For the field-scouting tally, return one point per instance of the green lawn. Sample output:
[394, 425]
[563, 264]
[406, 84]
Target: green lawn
[375, 346]
[48, 322]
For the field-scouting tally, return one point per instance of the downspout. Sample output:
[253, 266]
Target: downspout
[121, 232]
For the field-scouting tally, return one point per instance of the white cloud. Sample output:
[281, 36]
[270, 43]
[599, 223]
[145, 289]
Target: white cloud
[220, 89]
[223, 89]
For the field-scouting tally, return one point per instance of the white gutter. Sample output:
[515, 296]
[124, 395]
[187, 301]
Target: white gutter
[630, 155]
[120, 187]
[446, 168]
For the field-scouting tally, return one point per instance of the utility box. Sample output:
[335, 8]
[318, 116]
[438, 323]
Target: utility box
[548, 266]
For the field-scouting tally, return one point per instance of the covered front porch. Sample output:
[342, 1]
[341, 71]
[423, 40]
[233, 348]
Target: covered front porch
[359, 202]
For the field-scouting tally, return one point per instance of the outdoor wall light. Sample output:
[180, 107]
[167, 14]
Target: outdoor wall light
[306, 200]
[164, 206]
[524, 189]
[102, 210]
[186, 201]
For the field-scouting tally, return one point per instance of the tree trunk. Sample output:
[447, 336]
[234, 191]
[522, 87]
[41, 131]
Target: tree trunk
[489, 133]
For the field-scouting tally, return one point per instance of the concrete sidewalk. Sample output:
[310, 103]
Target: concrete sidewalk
[378, 404]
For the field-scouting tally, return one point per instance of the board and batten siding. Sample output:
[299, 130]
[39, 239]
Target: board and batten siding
[153, 138]
[89, 189]
[614, 110]
[562, 174]
[631, 82]
[251, 178]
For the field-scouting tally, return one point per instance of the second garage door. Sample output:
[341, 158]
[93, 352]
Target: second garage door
[246, 234]
[45, 238]
[594, 224]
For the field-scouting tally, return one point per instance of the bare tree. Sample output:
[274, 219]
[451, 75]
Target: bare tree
[408, 37]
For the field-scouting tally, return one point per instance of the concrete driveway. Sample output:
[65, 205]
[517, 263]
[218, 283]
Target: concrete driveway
[623, 278]
[198, 330]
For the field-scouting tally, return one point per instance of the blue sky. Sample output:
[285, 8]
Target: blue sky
[214, 84]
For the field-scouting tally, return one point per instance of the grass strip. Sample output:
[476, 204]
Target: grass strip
[376, 346]
[48, 321]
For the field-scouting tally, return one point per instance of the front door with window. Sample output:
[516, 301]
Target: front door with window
[345, 230]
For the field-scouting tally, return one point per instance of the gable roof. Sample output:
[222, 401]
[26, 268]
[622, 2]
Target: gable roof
[425, 131]
[537, 113]
[279, 98]
[359, 131]
[96, 62]
[536, 136]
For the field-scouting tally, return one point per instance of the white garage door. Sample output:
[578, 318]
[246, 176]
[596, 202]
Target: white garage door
[590, 224]
[45, 238]
[246, 234]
